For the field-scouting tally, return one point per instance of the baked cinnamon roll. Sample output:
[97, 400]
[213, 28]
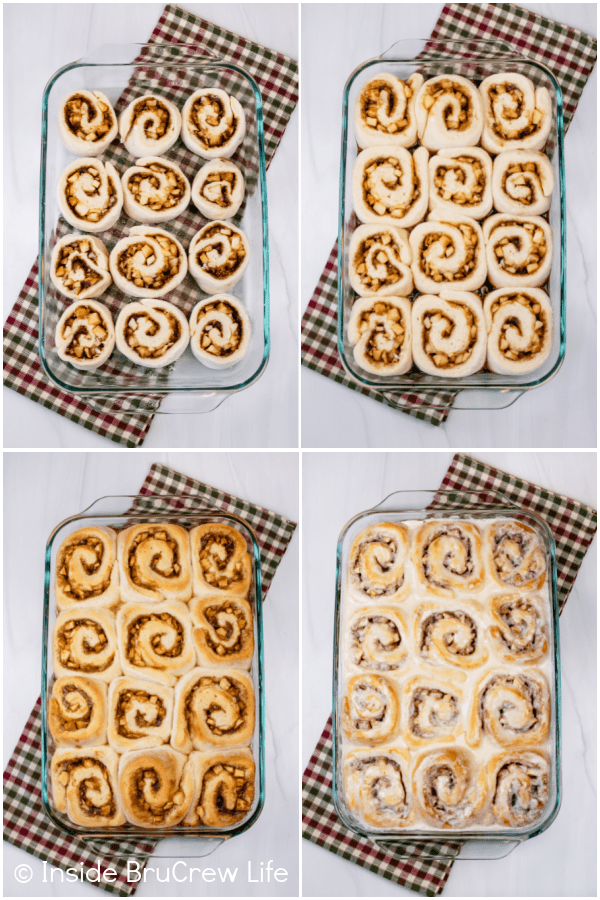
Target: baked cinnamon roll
[370, 709]
[516, 555]
[376, 640]
[449, 113]
[380, 258]
[460, 181]
[87, 123]
[448, 558]
[450, 633]
[380, 329]
[223, 787]
[449, 787]
[219, 255]
[152, 333]
[518, 249]
[154, 562]
[520, 326]
[85, 335]
[511, 709]
[149, 263]
[220, 331]
[155, 641]
[214, 709]
[433, 709]
[149, 126]
[84, 642]
[140, 714]
[77, 711]
[90, 195]
[155, 190]
[79, 266]
[218, 189]
[223, 631]
[156, 786]
[213, 123]
[517, 115]
[85, 786]
[221, 564]
[519, 632]
[377, 563]
[390, 186]
[520, 786]
[86, 568]
[384, 111]
[377, 787]
[522, 182]
[449, 334]
[448, 252]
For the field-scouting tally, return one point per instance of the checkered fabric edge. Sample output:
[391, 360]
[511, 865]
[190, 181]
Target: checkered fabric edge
[573, 525]
[25, 823]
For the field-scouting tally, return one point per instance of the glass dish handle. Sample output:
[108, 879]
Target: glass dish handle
[166, 848]
[125, 54]
[420, 499]
[413, 48]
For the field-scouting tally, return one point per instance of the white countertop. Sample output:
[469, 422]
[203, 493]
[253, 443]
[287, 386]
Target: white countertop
[41, 489]
[562, 861]
[333, 415]
[39, 38]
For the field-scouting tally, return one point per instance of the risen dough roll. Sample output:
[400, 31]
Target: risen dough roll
[220, 331]
[84, 642]
[523, 182]
[223, 787]
[218, 189]
[219, 255]
[379, 263]
[376, 639]
[450, 633]
[79, 266]
[87, 123]
[518, 249]
[450, 787]
[517, 115]
[384, 111]
[381, 332]
[390, 185]
[433, 709]
[449, 113]
[377, 563]
[221, 564]
[377, 786]
[520, 328]
[519, 632]
[449, 335]
[149, 126]
[460, 181]
[520, 787]
[85, 786]
[149, 263]
[155, 190]
[156, 786]
[448, 558]
[223, 631]
[90, 195]
[155, 641]
[86, 568]
[85, 334]
[370, 709]
[213, 123]
[154, 562]
[511, 709]
[448, 252]
[140, 714]
[516, 555]
[77, 711]
[214, 708]
[152, 333]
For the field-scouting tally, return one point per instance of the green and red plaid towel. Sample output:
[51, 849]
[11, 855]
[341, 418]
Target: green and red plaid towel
[127, 420]
[25, 823]
[573, 525]
[571, 55]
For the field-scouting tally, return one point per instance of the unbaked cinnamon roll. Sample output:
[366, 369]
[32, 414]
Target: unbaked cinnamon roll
[219, 255]
[380, 330]
[511, 709]
[377, 787]
[218, 189]
[384, 111]
[370, 709]
[149, 126]
[140, 714]
[86, 568]
[516, 555]
[85, 786]
[449, 113]
[221, 564]
[220, 331]
[448, 558]
[152, 333]
[519, 630]
[223, 787]
[449, 334]
[87, 123]
[79, 266]
[213, 123]
[155, 641]
[520, 784]
[223, 631]
[85, 334]
[520, 326]
[77, 711]
[517, 115]
[448, 252]
[450, 787]
[433, 709]
[90, 195]
[149, 263]
[380, 258]
[154, 562]
[518, 249]
[450, 633]
[460, 180]
[390, 186]
[377, 563]
[522, 182]
[376, 640]
[156, 786]
[84, 642]
[155, 190]
[214, 708]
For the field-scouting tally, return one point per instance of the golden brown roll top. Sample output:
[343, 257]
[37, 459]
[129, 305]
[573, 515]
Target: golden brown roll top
[77, 711]
[154, 562]
[433, 709]
[223, 631]
[220, 561]
[86, 569]
[449, 787]
[370, 709]
[156, 787]
[140, 714]
[513, 710]
[213, 708]
[377, 786]
[84, 642]
[85, 786]
[448, 557]
[155, 641]
[519, 632]
[377, 563]
[223, 787]
[520, 782]
[516, 555]
[376, 639]
[450, 633]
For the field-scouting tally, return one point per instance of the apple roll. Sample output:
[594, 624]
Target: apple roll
[86, 568]
[213, 123]
[380, 329]
[220, 331]
[520, 326]
[87, 123]
[384, 111]
[85, 786]
[460, 181]
[519, 250]
[380, 258]
[149, 263]
[149, 126]
[140, 714]
[152, 333]
[450, 787]
[155, 190]
[154, 562]
[516, 114]
[223, 787]
[370, 709]
[511, 709]
[223, 631]
[377, 563]
[90, 195]
[449, 113]
[79, 266]
[450, 633]
[377, 787]
[214, 708]
[218, 189]
[520, 787]
[155, 641]
[221, 564]
[448, 558]
[522, 183]
[433, 709]
[448, 251]
[77, 711]
[390, 185]
[519, 632]
[156, 786]
[85, 334]
[449, 334]
[84, 642]
[516, 555]
[219, 255]
[376, 640]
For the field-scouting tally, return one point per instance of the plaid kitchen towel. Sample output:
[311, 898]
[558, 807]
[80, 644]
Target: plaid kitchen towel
[127, 420]
[573, 526]
[25, 822]
[571, 55]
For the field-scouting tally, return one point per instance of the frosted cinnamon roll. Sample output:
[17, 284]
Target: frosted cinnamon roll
[384, 111]
[519, 632]
[520, 785]
[460, 180]
[520, 326]
[223, 631]
[85, 334]
[223, 787]
[79, 266]
[219, 255]
[220, 331]
[377, 563]
[90, 195]
[86, 568]
[450, 787]
[450, 634]
[221, 564]
[448, 252]
[213, 123]
[149, 263]
[449, 113]
[77, 711]
[152, 333]
[518, 249]
[84, 642]
[448, 558]
[155, 190]
[390, 185]
[156, 787]
[511, 709]
[376, 640]
[218, 189]
[516, 555]
[449, 334]
[433, 709]
[380, 258]
[149, 126]
[154, 562]
[517, 115]
[87, 123]
[155, 641]
[380, 330]
[140, 714]
[377, 787]
[522, 182]
[370, 709]
[213, 709]
[85, 786]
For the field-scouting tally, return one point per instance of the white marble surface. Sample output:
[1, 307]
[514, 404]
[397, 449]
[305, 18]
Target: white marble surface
[39, 38]
[334, 416]
[560, 862]
[41, 489]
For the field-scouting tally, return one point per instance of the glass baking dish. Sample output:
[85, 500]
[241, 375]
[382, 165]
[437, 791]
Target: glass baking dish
[120, 512]
[122, 72]
[474, 60]
[466, 843]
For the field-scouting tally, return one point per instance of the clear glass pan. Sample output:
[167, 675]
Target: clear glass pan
[119, 512]
[418, 506]
[474, 60]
